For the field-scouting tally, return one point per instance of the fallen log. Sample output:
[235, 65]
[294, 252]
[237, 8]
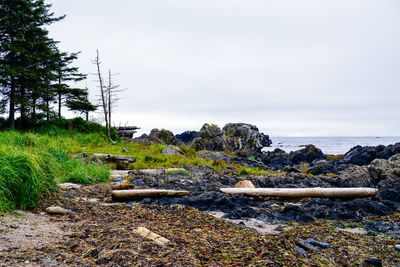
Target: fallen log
[352, 192]
[121, 195]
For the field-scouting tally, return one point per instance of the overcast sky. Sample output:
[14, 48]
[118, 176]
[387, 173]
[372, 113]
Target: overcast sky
[293, 68]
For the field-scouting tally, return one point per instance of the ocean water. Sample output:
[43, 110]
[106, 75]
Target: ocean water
[329, 145]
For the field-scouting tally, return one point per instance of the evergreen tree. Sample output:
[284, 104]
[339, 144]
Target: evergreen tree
[34, 74]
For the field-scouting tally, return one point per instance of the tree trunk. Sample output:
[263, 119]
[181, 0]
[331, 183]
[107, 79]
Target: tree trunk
[59, 97]
[351, 192]
[11, 115]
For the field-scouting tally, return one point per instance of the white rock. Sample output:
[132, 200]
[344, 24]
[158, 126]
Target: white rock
[397, 247]
[69, 186]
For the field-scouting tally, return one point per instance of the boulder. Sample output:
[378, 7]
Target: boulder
[215, 155]
[172, 150]
[307, 154]
[382, 169]
[186, 137]
[121, 162]
[354, 176]
[239, 136]
[209, 138]
[277, 159]
[244, 184]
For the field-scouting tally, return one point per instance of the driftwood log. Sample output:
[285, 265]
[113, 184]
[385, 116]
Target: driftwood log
[121, 195]
[352, 192]
[156, 238]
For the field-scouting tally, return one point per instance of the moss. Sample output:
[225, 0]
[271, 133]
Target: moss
[334, 157]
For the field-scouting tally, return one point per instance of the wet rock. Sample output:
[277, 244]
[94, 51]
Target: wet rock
[213, 155]
[186, 137]
[397, 247]
[307, 154]
[172, 150]
[318, 244]
[238, 136]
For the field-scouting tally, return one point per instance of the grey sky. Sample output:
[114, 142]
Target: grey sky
[293, 68]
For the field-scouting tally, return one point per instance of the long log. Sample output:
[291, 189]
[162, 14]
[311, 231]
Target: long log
[121, 195]
[352, 192]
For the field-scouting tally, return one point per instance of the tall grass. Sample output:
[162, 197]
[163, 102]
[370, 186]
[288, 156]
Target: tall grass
[31, 164]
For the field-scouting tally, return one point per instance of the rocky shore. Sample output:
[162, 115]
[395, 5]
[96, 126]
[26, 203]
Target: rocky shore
[370, 166]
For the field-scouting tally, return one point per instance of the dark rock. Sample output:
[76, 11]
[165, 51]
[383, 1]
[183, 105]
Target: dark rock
[372, 263]
[186, 137]
[363, 155]
[291, 169]
[318, 244]
[322, 167]
[355, 176]
[209, 138]
[303, 244]
[238, 136]
[307, 154]
[305, 218]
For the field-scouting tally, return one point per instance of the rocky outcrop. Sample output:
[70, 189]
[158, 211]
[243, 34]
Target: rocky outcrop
[233, 137]
[186, 137]
[239, 136]
[364, 155]
[157, 136]
[355, 176]
[209, 138]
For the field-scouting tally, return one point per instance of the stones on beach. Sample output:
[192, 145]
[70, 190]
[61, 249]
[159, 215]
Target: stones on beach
[57, 210]
[68, 186]
[304, 244]
[397, 247]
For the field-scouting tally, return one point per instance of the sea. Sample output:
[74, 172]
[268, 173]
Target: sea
[329, 145]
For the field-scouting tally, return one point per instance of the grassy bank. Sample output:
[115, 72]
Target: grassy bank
[32, 162]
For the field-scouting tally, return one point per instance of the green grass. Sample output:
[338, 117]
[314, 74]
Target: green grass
[31, 164]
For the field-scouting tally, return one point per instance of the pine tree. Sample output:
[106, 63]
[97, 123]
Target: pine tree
[24, 52]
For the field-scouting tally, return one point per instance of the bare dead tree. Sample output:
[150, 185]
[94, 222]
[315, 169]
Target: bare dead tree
[105, 95]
